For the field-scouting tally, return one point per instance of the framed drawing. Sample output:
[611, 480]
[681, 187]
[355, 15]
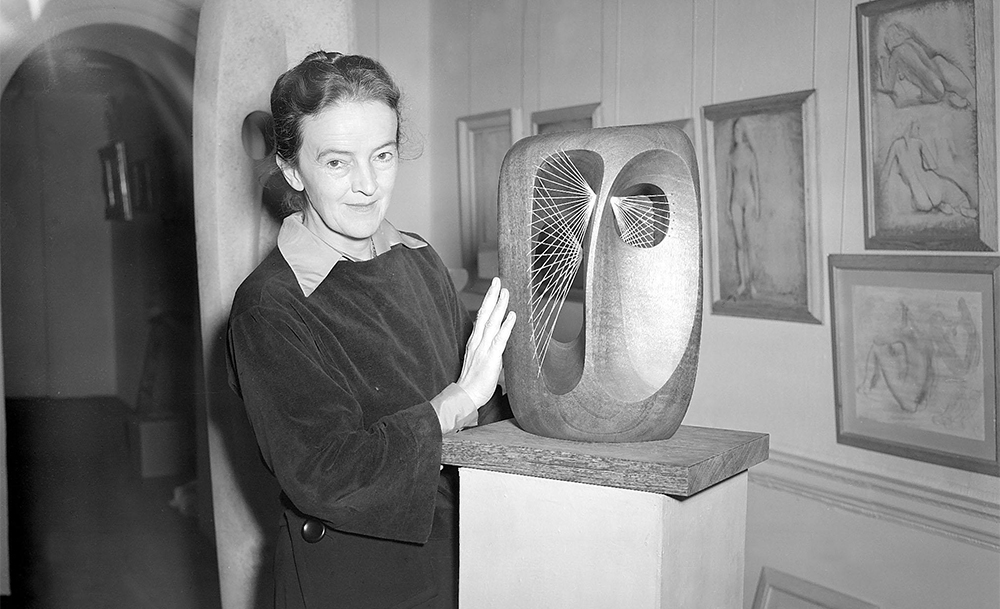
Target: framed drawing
[572, 118]
[915, 356]
[762, 208]
[483, 141]
[779, 590]
[115, 177]
[928, 124]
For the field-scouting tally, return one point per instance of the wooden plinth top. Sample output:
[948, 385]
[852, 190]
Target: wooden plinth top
[692, 460]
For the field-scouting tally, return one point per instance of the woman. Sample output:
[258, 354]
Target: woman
[353, 355]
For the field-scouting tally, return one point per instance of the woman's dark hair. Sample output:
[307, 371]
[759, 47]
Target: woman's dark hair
[321, 80]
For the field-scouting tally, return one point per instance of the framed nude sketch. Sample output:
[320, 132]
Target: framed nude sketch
[762, 208]
[915, 356]
[928, 124]
[483, 141]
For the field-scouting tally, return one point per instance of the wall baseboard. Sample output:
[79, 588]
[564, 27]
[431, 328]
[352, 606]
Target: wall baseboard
[971, 521]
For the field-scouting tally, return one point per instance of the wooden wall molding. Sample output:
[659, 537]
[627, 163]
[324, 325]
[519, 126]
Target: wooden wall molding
[969, 520]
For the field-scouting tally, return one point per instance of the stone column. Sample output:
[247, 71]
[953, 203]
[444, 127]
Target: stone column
[243, 45]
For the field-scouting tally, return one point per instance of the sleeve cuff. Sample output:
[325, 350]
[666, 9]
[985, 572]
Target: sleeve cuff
[454, 408]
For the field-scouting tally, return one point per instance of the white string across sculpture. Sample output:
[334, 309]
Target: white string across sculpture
[562, 206]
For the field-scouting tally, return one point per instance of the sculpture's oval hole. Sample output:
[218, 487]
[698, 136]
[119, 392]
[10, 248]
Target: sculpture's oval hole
[642, 215]
[564, 193]
[256, 135]
[641, 208]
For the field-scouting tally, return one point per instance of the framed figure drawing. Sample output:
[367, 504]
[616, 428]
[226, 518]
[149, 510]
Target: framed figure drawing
[762, 208]
[483, 141]
[928, 124]
[915, 356]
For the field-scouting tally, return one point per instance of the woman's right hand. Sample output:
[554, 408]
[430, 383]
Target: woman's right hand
[484, 351]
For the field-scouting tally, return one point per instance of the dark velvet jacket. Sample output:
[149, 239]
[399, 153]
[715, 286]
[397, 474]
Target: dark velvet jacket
[337, 385]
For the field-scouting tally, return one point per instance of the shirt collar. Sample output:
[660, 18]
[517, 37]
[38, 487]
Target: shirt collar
[311, 259]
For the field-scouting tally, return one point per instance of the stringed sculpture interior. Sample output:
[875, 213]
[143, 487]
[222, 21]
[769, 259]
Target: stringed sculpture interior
[611, 217]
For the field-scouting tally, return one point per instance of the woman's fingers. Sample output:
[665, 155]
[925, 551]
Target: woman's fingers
[496, 316]
[484, 351]
[503, 335]
[490, 313]
[485, 309]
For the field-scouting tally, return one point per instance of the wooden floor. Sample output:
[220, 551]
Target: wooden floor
[86, 530]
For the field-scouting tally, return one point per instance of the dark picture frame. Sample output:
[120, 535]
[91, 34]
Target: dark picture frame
[762, 208]
[915, 355]
[115, 179]
[928, 124]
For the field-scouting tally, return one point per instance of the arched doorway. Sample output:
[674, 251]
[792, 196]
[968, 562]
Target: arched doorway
[100, 300]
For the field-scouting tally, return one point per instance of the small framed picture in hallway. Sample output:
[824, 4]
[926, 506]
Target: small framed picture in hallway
[762, 207]
[114, 176]
[928, 124]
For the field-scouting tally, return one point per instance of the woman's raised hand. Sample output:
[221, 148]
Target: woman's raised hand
[484, 351]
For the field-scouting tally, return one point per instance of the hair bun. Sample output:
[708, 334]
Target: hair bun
[324, 56]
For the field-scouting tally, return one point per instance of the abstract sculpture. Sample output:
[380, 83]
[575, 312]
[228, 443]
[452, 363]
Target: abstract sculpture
[619, 206]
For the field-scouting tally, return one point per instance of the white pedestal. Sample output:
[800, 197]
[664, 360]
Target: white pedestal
[532, 542]
[575, 532]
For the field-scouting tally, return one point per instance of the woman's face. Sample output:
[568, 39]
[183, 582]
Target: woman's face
[347, 168]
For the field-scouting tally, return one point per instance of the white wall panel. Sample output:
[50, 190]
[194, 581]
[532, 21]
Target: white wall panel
[450, 48]
[874, 559]
[496, 61]
[409, 21]
[569, 53]
[836, 83]
[655, 42]
[762, 48]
